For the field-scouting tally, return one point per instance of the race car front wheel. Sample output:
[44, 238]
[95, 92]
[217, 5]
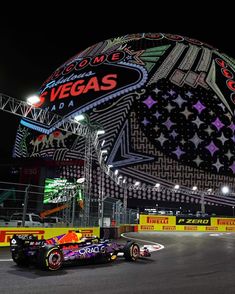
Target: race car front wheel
[131, 251]
[50, 258]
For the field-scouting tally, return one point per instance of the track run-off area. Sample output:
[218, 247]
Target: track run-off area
[181, 263]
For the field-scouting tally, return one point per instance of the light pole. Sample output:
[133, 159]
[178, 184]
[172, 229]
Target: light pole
[88, 177]
[125, 200]
[101, 199]
[94, 129]
[156, 208]
[203, 203]
[233, 210]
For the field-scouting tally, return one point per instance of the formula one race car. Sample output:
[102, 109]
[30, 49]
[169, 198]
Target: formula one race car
[68, 248]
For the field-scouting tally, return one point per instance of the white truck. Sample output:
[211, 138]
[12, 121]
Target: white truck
[31, 220]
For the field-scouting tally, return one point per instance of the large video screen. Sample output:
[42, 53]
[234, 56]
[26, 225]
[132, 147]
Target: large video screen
[59, 190]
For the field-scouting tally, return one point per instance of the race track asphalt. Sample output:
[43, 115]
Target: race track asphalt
[190, 263]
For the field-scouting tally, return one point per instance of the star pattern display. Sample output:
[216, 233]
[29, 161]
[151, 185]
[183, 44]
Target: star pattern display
[209, 130]
[189, 127]
[232, 166]
[179, 101]
[218, 165]
[149, 102]
[229, 154]
[196, 140]
[186, 112]
[161, 139]
[198, 161]
[223, 139]
[218, 124]
[199, 106]
[198, 122]
[178, 152]
[212, 148]
[145, 122]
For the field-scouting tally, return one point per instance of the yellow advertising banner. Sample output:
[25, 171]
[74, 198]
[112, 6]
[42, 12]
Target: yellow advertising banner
[43, 233]
[188, 224]
[222, 221]
[156, 220]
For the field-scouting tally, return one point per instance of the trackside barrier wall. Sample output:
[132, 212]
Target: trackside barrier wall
[115, 232]
[43, 233]
[46, 233]
[178, 223]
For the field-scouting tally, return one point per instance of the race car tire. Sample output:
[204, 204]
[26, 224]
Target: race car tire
[19, 258]
[131, 251]
[50, 258]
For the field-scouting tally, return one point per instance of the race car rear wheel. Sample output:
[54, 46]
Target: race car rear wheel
[19, 258]
[50, 258]
[131, 251]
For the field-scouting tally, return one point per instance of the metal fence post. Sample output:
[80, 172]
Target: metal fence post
[113, 212]
[125, 202]
[130, 213]
[116, 213]
[100, 199]
[123, 215]
[26, 197]
[202, 203]
[73, 209]
[88, 177]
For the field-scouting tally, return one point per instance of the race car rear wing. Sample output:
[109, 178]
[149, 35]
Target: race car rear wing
[24, 241]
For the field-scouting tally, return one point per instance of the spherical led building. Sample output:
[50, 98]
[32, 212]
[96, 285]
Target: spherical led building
[166, 103]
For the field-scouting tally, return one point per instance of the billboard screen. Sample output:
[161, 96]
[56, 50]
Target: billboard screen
[59, 190]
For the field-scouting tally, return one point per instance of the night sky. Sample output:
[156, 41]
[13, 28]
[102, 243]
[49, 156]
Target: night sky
[35, 43]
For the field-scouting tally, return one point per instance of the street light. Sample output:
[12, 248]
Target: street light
[101, 199]
[125, 194]
[94, 130]
[100, 132]
[80, 180]
[34, 99]
[104, 151]
[119, 178]
[79, 117]
[225, 189]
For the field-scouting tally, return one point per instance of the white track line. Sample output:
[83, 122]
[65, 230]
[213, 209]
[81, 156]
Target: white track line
[151, 248]
[6, 259]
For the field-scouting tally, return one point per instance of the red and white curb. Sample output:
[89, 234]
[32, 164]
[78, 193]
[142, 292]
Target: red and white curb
[153, 248]
[150, 247]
